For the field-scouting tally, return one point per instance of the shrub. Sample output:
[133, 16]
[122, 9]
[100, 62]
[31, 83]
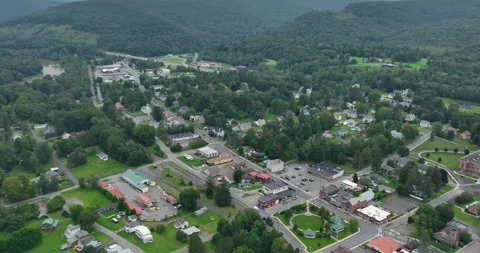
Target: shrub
[160, 229]
[445, 149]
[436, 149]
[464, 198]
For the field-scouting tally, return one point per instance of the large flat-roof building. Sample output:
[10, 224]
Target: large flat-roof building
[470, 164]
[274, 187]
[325, 171]
[137, 180]
[208, 152]
[275, 165]
[374, 214]
[174, 138]
[274, 199]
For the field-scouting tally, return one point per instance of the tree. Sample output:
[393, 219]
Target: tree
[55, 204]
[445, 211]
[427, 155]
[29, 211]
[188, 199]
[353, 225]
[409, 131]
[237, 175]
[87, 218]
[436, 149]
[421, 160]
[223, 197]
[176, 147]
[44, 152]
[75, 212]
[18, 188]
[181, 236]
[466, 151]
[403, 151]
[366, 182]
[210, 188]
[390, 163]
[160, 229]
[8, 158]
[376, 158]
[244, 249]
[432, 136]
[77, 157]
[444, 176]
[450, 135]
[145, 134]
[439, 159]
[81, 182]
[157, 113]
[437, 128]
[455, 150]
[29, 161]
[464, 198]
[445, 149]
[355, 178]
[195, 245]
[465, 238]
[427, 220]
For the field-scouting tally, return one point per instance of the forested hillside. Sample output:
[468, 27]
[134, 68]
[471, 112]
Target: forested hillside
[154, 27]
[16, 8]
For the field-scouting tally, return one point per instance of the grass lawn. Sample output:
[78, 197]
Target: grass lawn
[209, 245]
[204, 223]
[18, 170]
[269, 62]
[172, 60]
[443, 190]
[345, 233]
[110, 225]
[315, 244]
[193, 163]
[90, 197]
[308, 222]
[448, 159]
[470, 220]
[362, 63]
[96, 167]
[175, 179]
[269, 116]
[474, 108]
[226, 210]
[440, 144]
[155, 149]
[253, 187]
[470, 146]
[162, 243]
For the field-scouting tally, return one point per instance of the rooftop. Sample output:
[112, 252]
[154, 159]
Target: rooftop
[135, 177]
[275, 185]
[191, 230]
[143, 230]
[207, 151]
[375, 213]
[384, 245]
[324, 169]
[280, 195]
[473, 157]
[182, 135]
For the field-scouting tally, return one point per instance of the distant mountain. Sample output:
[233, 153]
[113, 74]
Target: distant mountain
[156, 27]
[15, 8]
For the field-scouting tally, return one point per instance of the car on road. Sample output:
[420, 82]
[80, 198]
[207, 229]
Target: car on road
[297, 168]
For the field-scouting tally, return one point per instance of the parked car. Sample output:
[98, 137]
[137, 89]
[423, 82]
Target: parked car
[114, 220]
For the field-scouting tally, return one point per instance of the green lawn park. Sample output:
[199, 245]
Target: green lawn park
[99, 168]
[362, 62]
[473, 107]
[92, 198]
[308, 222]
[448, 159]
[466, 218]
[344, 234]
[315, 244]
[193, 163]
[172, 60]
[440, 144]
[443, 190]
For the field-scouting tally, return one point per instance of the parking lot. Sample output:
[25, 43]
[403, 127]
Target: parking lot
[165, 209]
[297, 175]
[399, 205]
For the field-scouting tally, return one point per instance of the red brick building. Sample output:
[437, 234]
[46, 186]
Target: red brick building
[470, 164]
[268, 201]
[354, 204]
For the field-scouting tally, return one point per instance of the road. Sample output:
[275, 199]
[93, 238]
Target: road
[44, 196]
[91, 76]
[118, 240]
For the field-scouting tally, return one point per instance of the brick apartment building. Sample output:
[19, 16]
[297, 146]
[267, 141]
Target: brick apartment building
[470, 164]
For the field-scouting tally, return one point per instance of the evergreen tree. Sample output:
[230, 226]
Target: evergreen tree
[223, 196]
[195, 245]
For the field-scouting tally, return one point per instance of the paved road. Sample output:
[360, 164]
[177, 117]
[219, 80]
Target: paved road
[92, 86]
[44, 196]
[57, 161]
[119, 240]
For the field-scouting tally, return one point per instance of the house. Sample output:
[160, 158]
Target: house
[349, 123]
[474, 208]
[197, 118]
[382, 245]
[274, 199]
[275, 165]
[132, 218]
[426, 124]
[351, 114]
[337, 224]
[244, 127]
[260, 123]
[349, 185]
[208, 152]
[388, 65]
[191, 231]
[144, 234]
[221, 159]
[274, 187]
[153, 123]
[201, 211]
[368, 119]
[88, 241]
[410, 118]
[341, 198]
[130, 227]
[146, 109]
[354, 204]
[144, 200]
[50, 174]
[137, 180]
[450, 234]
[49, 224]
[182, 137]
[368, 195]
[263, 177]
[309, 234]
[374, 214]
[342, 132]
[71, 230]
[49, 132]
[337, 116]
[397, 135]
[77, 236]
[183, 110]
[118, 105]
[245, 182]
[387, 170]
[42, 216]
[219, 174]
[327, 192]
[102, 156]
[115, 248]
[66, 136]
[216, 131]
[466, 135]
[325, 171]
[180, 224]
[470, 164]
[172, 200]
[327, 135]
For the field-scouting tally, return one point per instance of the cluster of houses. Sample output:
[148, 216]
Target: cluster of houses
[79, 239]
[141, 231]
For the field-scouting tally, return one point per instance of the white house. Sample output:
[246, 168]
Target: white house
[102, 156]
[197, 118]
[131, 227]
[208, 152]
[146, 109]
[426, 124]
[144, 234]
[396, 135]
[191, 230]
[275, 165]
[260, 123]
[368, 195]
[349, 185]
[368, 119]
[71, 230]
[180, 224]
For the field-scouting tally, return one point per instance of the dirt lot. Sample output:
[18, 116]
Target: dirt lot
[156, 193]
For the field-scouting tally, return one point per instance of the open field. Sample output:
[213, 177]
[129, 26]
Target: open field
[206, 223]
[269, 62]
[90, 197]
[468, 219]
[470, 146]
[448, 159]
[172, 60]
[472, 107]
[98, 168]
[193, 163]
[308, 222]
[362, 63]
[440, 144]
[163, 243]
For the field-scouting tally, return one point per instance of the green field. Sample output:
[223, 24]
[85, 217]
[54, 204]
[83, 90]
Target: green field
[440, 144]
[450, 160]
[155, 149]
[362, 63]
[443, 190]
[172, 60]
[474, 108]
[110, 225]
[98, 168]
[269, 62]
[174, 179]
[470, 220]
[308, 222]
[193, 163]
[269, 116]
[344, 234]
[92, 198]
[163, 243]
[315, 244]
[204, 223]
[470, 146]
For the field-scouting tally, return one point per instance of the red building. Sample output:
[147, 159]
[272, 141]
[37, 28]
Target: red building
[263, 177]
[144, 200]
[113, 190]
[272, 200]
[470, 164]
[172, 200]
[132, 207]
